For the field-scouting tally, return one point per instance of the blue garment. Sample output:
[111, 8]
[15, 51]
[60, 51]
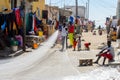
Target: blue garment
[22, 13]
[71, 19]
[60, 27]
[3, 26]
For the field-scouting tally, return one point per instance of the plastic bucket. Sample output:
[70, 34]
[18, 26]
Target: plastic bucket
[14, 48]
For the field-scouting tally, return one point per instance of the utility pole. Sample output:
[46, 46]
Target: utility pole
[86, 11]
[88, 8]
[50, 6]
[76, 8]
[64, 7]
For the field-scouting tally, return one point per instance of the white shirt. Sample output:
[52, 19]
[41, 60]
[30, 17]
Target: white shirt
[111, 50]
[64, 32]
[114, 23]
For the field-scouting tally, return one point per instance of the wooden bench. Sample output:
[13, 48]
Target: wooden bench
[85, 62]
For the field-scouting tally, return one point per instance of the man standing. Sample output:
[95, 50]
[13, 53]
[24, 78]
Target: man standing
[63, 34]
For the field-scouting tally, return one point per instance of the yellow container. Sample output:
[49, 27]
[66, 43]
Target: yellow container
[40, 33]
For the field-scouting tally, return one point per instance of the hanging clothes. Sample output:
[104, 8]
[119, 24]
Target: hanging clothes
[18, 17]
[34, 26]
[14, 30]
[1, 20]
[29, 21]
[3, 26]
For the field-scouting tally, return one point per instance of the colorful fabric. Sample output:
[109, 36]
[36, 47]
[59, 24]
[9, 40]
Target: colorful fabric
[74, 44]
[3, 26]
[71, 29]
[29, 21]
[71, 19]
[87, 45]
[20, 39]
[18, 17]
[70, 36]
[34, 24]
[107, 55]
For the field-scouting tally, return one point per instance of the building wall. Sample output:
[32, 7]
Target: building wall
[53, 12]
[81, 10]
[38, 4]
[5, 4]
[65, 12]
[118, 9]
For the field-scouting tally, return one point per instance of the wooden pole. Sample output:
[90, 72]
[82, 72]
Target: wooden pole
[24, 27]
[76, 8]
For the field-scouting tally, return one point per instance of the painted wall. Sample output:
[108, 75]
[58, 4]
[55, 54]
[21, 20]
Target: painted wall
[38, 4]
[5, 4]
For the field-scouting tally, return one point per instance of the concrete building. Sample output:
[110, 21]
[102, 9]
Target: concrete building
[53, 12]
[65, 12]
[64, 15]
[118, 9]
[81, 10]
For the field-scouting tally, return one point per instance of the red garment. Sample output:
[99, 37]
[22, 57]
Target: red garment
[87, 45]
[76, 21]
[18, 18]
[74, 44]
[107, 55]
[71, 29]
[57, 24]
[34, 24]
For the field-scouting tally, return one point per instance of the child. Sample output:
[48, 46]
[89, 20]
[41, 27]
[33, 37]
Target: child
[94, 33]
[79, 43]
[87, 44]
[74, 44]
[100, 31]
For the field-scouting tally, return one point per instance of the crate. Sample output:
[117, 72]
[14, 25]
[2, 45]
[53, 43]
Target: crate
[85, 62]
[31, 39]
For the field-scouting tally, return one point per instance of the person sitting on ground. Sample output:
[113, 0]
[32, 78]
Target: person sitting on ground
[107, 52]
[87, 44]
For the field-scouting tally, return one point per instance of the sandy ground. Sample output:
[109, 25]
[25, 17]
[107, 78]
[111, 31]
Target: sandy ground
[48, 63]
[95, 40]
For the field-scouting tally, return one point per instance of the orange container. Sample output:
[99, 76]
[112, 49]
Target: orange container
[35, 45]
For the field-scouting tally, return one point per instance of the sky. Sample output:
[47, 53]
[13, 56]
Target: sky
[98, 9]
